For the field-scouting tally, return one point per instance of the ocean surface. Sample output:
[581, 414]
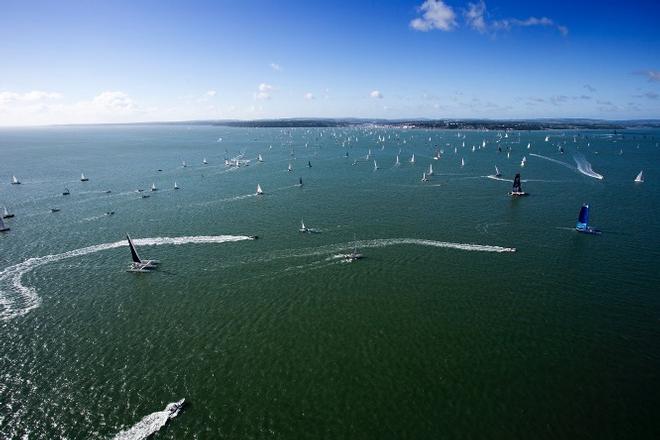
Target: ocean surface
[442, 331]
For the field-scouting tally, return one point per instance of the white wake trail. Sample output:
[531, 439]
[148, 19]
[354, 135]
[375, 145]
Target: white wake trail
[151, 423]
[17, 299]
[583, 166]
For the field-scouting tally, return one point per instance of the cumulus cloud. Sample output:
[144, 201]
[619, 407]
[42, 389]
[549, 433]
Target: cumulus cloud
[114, 101]
[376, 94]
[309, 96]
[435, 15]
[276, 67]
[263, 92]
[476, 17]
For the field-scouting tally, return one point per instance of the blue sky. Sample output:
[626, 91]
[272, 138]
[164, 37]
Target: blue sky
[127, 61]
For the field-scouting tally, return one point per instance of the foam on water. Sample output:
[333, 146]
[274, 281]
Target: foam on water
[17, 299]
[151, 423]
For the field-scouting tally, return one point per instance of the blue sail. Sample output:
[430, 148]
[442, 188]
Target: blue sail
[583, 218]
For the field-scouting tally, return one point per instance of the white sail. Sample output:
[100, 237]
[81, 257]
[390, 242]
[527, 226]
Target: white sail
[483, 144]
[462, 162]
[412, 159]
[153, 187]
[523, 161]
[424, 179]
[375, 166]
[290, 167]
[14, 180]
[260, 159]
[497, 171]
[640, 177]
[2, 225]
[5, 212]
[204, 161]
[83, 178]
[397, 163]
[529, 145]
[455, 150]
[547, 138]
[175, 185]
[183, 163]
[430, 169]
[473, 148]
[259, 190]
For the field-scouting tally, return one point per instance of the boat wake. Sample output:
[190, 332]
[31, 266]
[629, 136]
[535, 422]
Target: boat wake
[17, 299]
[583, 166]
[151, 423]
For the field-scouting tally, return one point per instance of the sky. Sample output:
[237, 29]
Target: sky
[93, 61]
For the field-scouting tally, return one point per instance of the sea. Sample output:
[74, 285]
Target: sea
[472, 314]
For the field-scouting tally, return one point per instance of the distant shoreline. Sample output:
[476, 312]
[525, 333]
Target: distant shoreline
[427, 124]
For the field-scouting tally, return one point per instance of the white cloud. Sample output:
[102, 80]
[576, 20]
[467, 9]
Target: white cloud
[376, 94]
[309, 96]
[211, 93]
[263, 92]
[276, 67]
[114, 101]
[435, 15]
[7, 97]
[476, 18]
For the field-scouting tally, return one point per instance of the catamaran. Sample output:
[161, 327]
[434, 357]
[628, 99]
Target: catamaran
[15, 181]
[3, 227]
[259, 190]
[138, 264]
[497, 172]
[83, 178]
[640, 177]
[153, 187]
[6, 213]
[517, 189]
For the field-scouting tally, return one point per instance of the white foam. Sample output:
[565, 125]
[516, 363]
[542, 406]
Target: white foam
[17, 299]
[151, 423]
[583, 166]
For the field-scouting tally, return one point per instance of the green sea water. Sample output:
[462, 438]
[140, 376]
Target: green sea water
[425, 338]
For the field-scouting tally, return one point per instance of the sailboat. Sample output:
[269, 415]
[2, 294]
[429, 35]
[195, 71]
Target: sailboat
[473, 148]
[259, 190]
[183, 164]
[424, 178]
[66, 192]
[290, 168]
[309, 164]
[375, 166]
[346, 155]
[517, 191]
[412, 158]
[138, 264]
[529, 145]
[15, 181]
[3, 227]
[497, 172]
[523, 161]
[153, 187]
[369, 154]
[175, 185]
[397, 163]
[430, 169]
[547, 138]
[582, 224]
[303, 228]
[259, 158]
[83, 178]
[300, 181]
[355, 255]
[204, 161]
[462, 162]
[640, 177]
[483, 144]
[6, 213]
